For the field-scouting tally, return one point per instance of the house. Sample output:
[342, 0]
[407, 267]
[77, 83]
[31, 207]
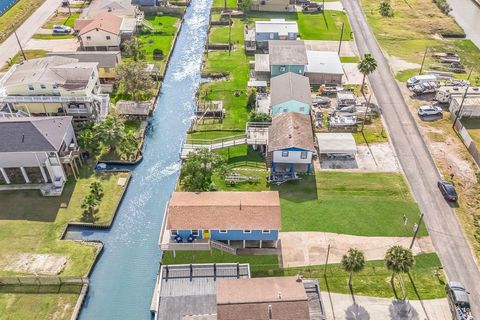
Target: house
[470, 108]
[54, 86]
[224, 220]
[290, 92]
[282, 57]
[275, 29]
[103, 32]
[37, 149]
[279, 298]
[290, 143]
[120, 8]
[225, 291]
[273, 5]
[324, 67]
[107, 61]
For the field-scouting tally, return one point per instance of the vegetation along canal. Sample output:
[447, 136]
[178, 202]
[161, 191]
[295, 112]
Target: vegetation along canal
[123, 280]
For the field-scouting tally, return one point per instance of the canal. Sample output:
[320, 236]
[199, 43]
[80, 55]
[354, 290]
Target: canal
[467, 14]
[123, 280]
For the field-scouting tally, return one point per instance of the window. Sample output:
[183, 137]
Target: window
[303, 155]
[174, 232]
[30, 87]
[285, 110]
[107, 70]
[247, 231]
[89, 38]
[302, 109]
[284, 154]
[265, 231]
[43, 86]
[222, 231]
[283, 68]
[272, 36]
[195, 233]
[108, 37]
[300, 71]
[54, 86]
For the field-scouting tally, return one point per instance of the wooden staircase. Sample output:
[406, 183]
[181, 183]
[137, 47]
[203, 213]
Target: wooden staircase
[223, 247]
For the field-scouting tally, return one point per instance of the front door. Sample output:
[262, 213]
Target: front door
[206, 234]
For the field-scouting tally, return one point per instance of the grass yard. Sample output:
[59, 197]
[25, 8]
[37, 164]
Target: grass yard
[161, 37]
[373, 132]
[62, 19]
[42, 306]
[473, 128]
[42, 36]
[16, 15]
[29, 54]
[31, 223]
[231, 4]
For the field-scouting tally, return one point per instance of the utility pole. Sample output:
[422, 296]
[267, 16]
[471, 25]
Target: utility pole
[417, 227]
[423, 60]
[20, 45]
[366, 110]
[341, 38]
[230, 33]
[460, 108]
[225, 4]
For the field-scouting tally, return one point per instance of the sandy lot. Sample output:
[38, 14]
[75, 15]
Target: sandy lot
[348, 49]
[310, 248]
[52, 45]
[42, 264]
[371, 308]
[352, 75]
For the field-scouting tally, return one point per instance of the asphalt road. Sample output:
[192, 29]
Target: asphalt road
[10, 47]
[418, 165]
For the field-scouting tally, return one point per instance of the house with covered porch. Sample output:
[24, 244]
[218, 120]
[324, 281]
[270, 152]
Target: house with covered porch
[222, 220]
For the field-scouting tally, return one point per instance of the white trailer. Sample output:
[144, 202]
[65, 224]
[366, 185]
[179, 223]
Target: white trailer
[445, 94]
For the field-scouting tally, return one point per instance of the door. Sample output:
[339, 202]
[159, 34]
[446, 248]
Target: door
[206, 234]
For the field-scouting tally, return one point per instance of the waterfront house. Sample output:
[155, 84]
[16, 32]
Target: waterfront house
[290, 143]
[273, 5]
[120, 8]
[54, 86]
[103, 32]
[200, 221]
[38, 151]
[282, 57]
[274, 29]
[290, 92]
[324, 67]
[107, 62]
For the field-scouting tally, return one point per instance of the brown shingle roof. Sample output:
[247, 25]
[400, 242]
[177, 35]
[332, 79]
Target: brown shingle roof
[250, 299]
[290, 86]
[103, 21]
[224, 210]
[291, 130]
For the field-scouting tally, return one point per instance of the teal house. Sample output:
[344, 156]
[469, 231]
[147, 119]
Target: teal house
[287, 56]
[290, 92]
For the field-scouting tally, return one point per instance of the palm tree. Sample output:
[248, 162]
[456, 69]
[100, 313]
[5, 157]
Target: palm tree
[353, 262]
[90, 205]
[398, 260]
[97, 190]
[110, 132]
[129, 146]
[366, 66]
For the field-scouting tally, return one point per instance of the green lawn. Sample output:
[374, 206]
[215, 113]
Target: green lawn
[42, 36]
[37, 306]
[231, 4]
[161, 37]
[29, 54]
[62, 19]
[354, 59]
[16, 15]
[31, 223]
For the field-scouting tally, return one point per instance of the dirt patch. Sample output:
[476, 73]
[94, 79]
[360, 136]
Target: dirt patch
[42, 264]
[397, 64]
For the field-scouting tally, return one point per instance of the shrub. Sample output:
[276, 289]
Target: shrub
[386, 9]
[443, 6]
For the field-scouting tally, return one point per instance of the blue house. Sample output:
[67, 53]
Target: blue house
[223, 220]
[287, 56]
[290, 92]
[275, 29]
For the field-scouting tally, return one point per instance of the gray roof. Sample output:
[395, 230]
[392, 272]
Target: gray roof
[262, 63]
[121, 8]
[33, 133]
[290, 86]
[326, 62]
[338, 142]
[291, 130]
[124, 107]
[287, 52]
[279, 26]
[65, 72]
[105, 59]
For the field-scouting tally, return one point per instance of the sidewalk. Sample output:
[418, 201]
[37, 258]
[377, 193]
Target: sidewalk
[10, 47]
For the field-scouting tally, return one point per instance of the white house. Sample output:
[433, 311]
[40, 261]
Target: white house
[37, 149]
[102, 32]
[290, 143]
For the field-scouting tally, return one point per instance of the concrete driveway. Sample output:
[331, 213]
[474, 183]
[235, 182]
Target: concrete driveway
[348, 48]
[53, 45]
[352, 75]
[342, 307]
[310, 248]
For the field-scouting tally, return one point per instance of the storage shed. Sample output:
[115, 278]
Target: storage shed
[336, 144]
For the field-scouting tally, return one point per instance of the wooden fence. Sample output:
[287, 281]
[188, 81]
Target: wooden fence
[42, 284]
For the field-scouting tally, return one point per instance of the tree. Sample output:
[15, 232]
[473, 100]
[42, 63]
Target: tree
[110, 132]
[133, 47]
[196, 174]
[133, 79]
[398, 260]
[96, 189]
[366, 66]
[386, 9]
[259, 117]
[129, 146]
[245, 5]
[87, 139]
[89, 205]
[353, 262]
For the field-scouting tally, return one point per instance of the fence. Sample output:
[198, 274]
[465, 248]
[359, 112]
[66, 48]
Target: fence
[40, 284]
[468, 141]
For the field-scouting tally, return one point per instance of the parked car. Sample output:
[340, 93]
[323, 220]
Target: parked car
[447, 190]
[312, 7]
[58, 28]
[458, 300]
[429, 111]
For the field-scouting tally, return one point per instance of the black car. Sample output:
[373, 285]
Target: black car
[448, 190]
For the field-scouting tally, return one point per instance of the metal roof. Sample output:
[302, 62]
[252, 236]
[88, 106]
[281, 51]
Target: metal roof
[279, 26]
[336, 143]
[326, 62]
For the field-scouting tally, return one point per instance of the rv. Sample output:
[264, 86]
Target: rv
[446, 93]
[421, 79]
